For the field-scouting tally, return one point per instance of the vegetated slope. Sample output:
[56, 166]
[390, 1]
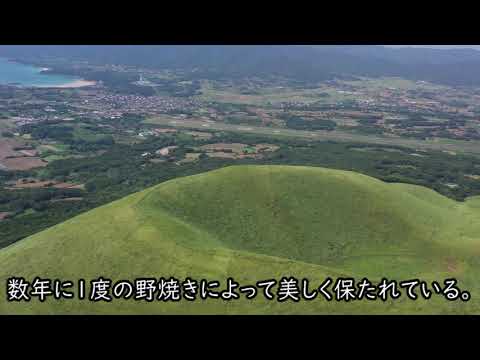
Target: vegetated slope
[300, 62]
[256, 223]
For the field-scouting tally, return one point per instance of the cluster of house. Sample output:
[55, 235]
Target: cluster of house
[156, 132]
[165, 151]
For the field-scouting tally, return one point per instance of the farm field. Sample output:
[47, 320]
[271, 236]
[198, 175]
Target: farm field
[12, 159]
[249, 163]
[265, 96]
[319, 135]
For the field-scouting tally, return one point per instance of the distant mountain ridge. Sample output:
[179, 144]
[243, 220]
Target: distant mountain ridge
[301, 62]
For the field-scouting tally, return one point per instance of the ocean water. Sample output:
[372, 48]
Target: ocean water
[26, 75]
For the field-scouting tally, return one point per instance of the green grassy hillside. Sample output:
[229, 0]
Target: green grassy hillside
[255, 223]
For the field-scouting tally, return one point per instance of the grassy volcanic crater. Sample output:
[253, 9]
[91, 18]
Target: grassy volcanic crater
[255, 223]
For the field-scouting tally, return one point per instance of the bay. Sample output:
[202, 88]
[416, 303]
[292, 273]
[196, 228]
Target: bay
[13, 73]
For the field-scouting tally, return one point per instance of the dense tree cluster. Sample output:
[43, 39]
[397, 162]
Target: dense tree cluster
[122, 170]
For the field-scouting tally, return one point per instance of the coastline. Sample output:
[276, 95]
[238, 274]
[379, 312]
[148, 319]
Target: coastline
[43, 70]
[70, 85]
[76, 84]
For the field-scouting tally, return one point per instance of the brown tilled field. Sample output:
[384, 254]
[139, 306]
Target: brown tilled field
[64, 185]
[67, 199]
[16, 160]
[23, 163]
[29, 183]
[3, 215]
[234, 147]
[7, 146]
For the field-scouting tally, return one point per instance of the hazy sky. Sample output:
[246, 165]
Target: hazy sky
[476, 47]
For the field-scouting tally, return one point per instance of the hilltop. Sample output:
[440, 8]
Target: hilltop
[255, 223]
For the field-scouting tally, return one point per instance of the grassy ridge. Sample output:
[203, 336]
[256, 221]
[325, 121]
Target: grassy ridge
[255, 223]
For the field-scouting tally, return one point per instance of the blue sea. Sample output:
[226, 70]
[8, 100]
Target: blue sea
[30, 76]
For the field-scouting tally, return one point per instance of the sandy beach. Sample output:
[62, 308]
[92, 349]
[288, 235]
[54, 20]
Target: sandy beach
[76, 84]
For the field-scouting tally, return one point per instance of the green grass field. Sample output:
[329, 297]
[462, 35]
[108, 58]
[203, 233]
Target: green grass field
[255, 223]
[461, 146]
[398, 83]
[262, 97]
